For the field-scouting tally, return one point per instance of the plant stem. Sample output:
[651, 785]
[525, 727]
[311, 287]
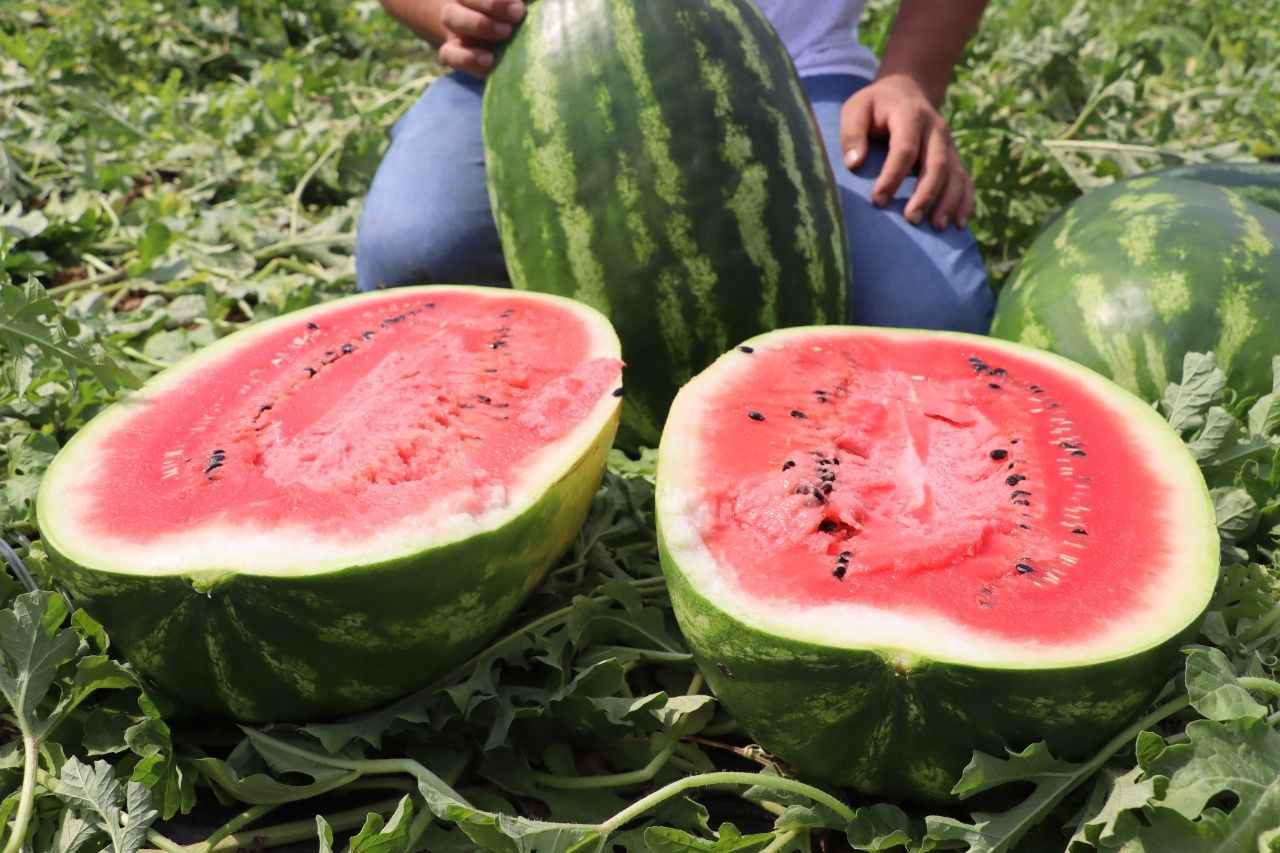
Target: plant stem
[27, 799]
[706, 780]
[167, 845]
[781, 841]
[1260, 685]
[238, 822]
[612, 780]
[143, 357]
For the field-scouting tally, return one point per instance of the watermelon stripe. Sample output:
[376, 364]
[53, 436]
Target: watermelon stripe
[1132, 276]
[682, 129]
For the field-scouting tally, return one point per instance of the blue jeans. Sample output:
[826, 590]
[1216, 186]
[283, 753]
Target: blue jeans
[427, 218]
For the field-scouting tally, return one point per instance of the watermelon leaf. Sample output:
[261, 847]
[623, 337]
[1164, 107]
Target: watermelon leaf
[95, 792]
[379, 835]
[1214, 690]
[1185, 404]
[662, 839]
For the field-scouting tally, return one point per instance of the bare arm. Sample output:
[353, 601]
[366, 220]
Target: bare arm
[927, 39]
[464, 31]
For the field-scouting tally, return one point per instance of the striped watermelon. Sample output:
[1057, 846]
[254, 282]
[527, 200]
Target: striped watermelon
[658, 161]
[888, 548]
[1131, 277]
[1258, 182]
[323, 511]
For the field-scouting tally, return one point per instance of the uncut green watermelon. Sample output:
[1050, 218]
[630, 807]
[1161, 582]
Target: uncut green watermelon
[326, 510]
[888, 549]
[657, 160]
[1132, 276]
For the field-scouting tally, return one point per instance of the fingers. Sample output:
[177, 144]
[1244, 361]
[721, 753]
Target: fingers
[511, 11]
[935, 171]
[855, 129]
[477, 61]
[947, 210]
[468, 24]
[905, 132]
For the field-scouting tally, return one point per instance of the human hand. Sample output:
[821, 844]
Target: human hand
[897, 105]
[474, 27]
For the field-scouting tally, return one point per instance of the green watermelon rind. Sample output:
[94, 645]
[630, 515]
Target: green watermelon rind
[897, 720]
[660, 162]
[1131, 276]
[275, 647]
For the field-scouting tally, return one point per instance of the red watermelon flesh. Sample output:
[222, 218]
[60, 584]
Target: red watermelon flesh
[931, 477]
[430, 406]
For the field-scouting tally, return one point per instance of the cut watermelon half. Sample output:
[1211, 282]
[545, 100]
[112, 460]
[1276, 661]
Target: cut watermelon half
[890, 548]
[318, 513]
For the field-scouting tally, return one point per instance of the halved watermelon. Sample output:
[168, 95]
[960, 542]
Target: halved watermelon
[321, 512]
[890, 548]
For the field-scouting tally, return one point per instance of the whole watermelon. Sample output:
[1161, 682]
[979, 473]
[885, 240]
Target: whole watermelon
[657, 160]
[1132, 276]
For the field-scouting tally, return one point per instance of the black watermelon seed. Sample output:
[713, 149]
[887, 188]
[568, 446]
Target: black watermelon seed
[803, 489]
[367, 334]
[998, 371]
[788, 465]
[827, 476]
[748, 350]
[755, 416]
[312, 326]
[506, 313]
[428, 305]
[1014, 479]
[826, 488]
[310, 371]
[827, 526]
[264, 407]
[1080, 531]
[839, 571]
[1025, 526]
[999, 454]
[1019, 493]
[844, 556]
[835, 460]
[1024, 569]
[1022, 502]
[1013, 441]
[348, 348]
[618, 392]
[497, 344]
[483, 399]
[1078, 453]
[796, 413]
[993, 385]
[1010, 466]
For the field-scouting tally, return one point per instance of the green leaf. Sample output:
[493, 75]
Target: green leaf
[997, 833]
[324, 835]
[1112, 818]
[95, 792]
[31, 651]
[881, 827]
[385, 836]
[1214, 690]
[662, 839]
[1237, 513]
[1185, 404]
[261, 789]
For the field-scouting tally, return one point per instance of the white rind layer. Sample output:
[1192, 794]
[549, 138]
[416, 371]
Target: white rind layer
[1172, 604]
[215, 548]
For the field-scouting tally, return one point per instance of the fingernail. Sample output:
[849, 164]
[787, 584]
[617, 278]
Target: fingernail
[502, 30]
[515, 11]
[942, 223]
[851, 158]
[484, 59]
[878, 200]
[914, 218]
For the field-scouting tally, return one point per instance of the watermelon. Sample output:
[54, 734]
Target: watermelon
[1132, 276]
[888, 549]
[658, 160]
[1258, 182]
[326, 510]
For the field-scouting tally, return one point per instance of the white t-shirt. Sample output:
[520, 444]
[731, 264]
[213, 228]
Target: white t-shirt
[822, 35]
